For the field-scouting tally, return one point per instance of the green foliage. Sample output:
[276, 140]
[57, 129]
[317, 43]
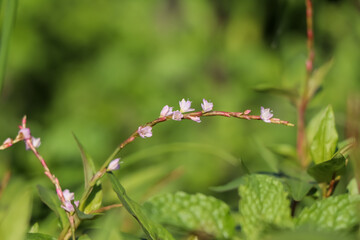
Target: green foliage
[298, 188]
[153, 230]
[50, 198]
[322, 135]
[263, 203]
[333, 213]
[317, 78]
[39, 236]
[15, 210]
[328, 170]
[9, 8]
[193, 213]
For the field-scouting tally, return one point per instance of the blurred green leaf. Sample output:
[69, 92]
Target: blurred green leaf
[153, 231]
[308, 234]
[298, 188]
[291, 94]
[353, 187]
[39, 236]
[34, 228]
[346, 145]
[9, 7]
[194, 213]
[52, 201]
[317, 78]
[333, 213]
[82, 215]
[263, 203]
[322, 135]
[88, 163]
[14, 219]
[326, 171]
[234, 184]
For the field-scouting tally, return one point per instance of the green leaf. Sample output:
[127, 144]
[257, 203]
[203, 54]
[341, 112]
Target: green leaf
[291, 94]
[39, 236]
[333, 213]
[298, 188]
[234, 184]
[153, 230]
[15, 217]
[94, 199]
[353, 187]
[263, 203]
[89, 167]
[326, 171]
[52, 201]
[322, 136]
[34, 228]
[82, 215]
[195, 213]
[317, 78]
[9, 7]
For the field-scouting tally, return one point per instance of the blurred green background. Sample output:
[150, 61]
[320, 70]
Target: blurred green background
[100, 69]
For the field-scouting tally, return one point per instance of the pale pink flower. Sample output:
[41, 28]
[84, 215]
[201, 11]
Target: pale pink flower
[185, 106]
[68, 197]
[196, 119]
[34, 141]
[25, 132]
[247, 112]
[177, 116]
[114, 165]
[8, 142]
[266, 114]
[145, 131]
[166, 111]
[207, 106]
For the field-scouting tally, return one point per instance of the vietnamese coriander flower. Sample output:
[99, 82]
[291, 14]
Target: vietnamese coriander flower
[266, 114]
[185, 106]
[196, 119]
[114, 165]
[68, 197]
[166, 111]
[145, 131]
[177, 115]
[207, 106]
[25, 132]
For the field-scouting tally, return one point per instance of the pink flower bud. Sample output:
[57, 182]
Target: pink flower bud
[114, 165]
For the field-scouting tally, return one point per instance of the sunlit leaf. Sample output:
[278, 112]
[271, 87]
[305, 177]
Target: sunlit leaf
[234, 184]
[333, 213]
[153, 230]
[15, 218]
[322, 136]
[263, 202]
[193, 213]
[326, 171]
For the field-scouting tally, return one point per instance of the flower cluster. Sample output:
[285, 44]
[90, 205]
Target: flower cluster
[185, 106]
[69, 197]
[25, 133]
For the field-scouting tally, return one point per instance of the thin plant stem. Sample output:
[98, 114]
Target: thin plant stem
[302, 105]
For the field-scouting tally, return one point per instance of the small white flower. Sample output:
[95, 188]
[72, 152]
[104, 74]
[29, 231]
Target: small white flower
[177, 116]
[196, 119]
[185, 106]
[36, 142]
[8, 142]
[207, 106]
[68, 196]
[145, 131]
[114, 165]
[266, 114]
[68, 206]
[166, 111]
[25, 132]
